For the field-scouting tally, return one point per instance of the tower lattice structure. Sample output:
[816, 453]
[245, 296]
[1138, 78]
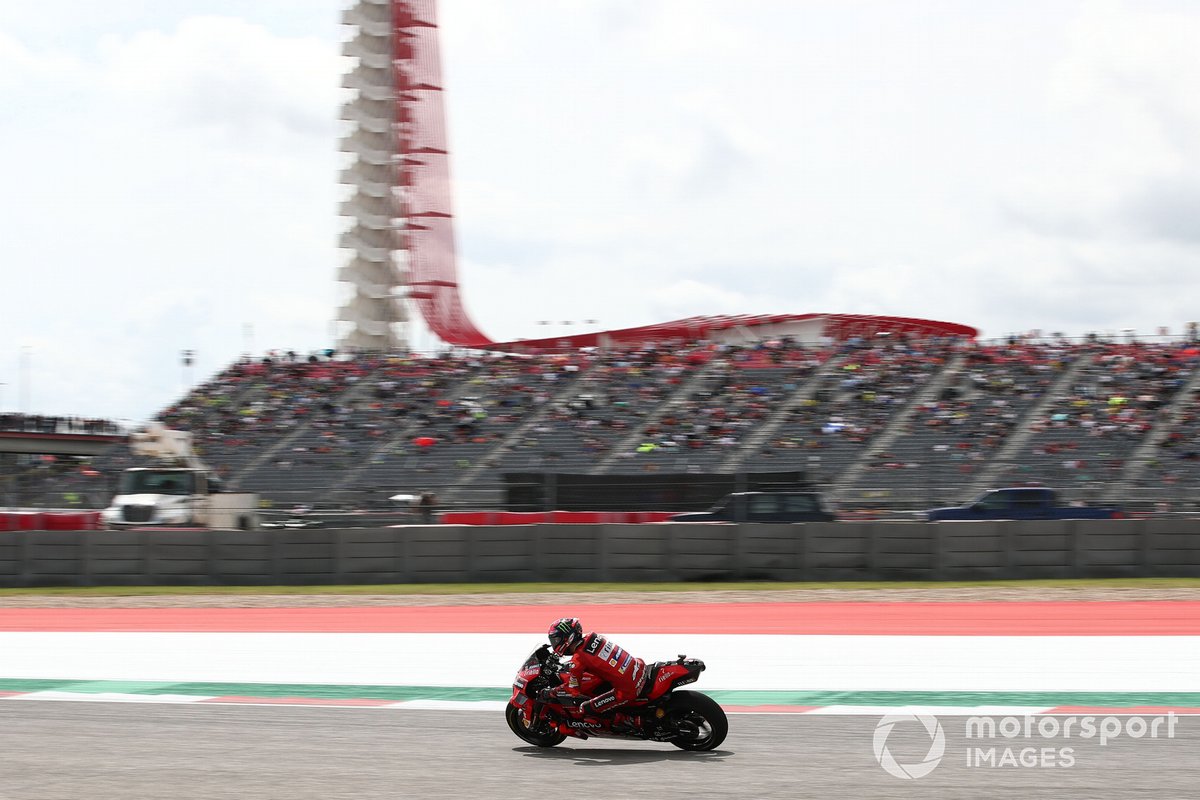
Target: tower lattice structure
[402, 234]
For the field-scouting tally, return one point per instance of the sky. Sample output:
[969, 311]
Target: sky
[169, 173]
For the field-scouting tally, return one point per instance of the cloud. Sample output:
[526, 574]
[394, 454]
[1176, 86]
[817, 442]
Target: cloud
[1122, 113]
[1136, 64]
[176, 185]
[1166, 208]
[228, 74]
[687, 297]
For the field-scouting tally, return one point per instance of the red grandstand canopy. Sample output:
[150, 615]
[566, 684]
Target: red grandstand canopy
[834, 326]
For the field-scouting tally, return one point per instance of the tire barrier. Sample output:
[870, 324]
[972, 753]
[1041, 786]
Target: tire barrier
[837, 551]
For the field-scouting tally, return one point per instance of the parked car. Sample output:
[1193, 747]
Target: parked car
[1022, 502]
[763, 507]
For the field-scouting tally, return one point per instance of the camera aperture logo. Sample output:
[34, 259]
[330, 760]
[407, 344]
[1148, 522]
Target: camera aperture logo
[937, 746]
[1006, 735]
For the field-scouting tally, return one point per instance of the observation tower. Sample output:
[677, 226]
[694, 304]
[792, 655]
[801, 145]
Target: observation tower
[401, 234]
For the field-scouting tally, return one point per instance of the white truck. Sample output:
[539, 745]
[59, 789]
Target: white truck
[178, 490]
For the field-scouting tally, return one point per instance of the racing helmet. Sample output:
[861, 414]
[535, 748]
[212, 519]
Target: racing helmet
[565, 635]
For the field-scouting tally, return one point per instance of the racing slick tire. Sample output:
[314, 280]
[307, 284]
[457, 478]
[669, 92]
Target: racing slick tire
[516, 723]
[704, 722]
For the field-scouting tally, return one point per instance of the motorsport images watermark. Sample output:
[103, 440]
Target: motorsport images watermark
[1046, 728]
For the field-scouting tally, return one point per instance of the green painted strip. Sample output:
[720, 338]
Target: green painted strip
[730, 697]
[29, 685]
[122, 687]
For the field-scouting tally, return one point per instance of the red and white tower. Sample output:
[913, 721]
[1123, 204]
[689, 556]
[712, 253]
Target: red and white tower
[402, 232]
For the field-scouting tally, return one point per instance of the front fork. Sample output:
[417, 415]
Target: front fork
[536, 720]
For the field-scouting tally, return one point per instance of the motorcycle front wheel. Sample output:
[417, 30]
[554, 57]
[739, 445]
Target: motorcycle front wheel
[516, 722]
[701, 722]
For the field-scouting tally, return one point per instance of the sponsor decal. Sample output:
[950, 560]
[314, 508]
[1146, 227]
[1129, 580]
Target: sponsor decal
[594, 643]
[612, 662]
[582, 723]
[519, 683]
[604, 701]
[606, 650]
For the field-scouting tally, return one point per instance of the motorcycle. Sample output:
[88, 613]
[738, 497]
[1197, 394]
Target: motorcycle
[661, 712]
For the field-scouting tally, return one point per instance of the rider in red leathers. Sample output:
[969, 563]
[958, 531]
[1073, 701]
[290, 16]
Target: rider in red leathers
[593, 654]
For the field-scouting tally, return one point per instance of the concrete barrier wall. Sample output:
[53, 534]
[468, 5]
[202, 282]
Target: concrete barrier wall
[834, 551]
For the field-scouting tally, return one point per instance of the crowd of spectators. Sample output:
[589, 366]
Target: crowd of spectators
[873, 379]
[446, 415]
[255, 405]
[407, 420]
[949, 438]
[1090, 431]
[655, 407]
[1175, 462]
[741, 390]
[614, 396]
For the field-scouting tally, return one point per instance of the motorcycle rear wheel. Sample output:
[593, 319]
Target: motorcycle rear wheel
[516, 723]
[701, 712]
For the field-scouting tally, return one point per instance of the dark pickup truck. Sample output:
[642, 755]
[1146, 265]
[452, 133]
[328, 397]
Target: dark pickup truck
[763, 507]
[1021, 503]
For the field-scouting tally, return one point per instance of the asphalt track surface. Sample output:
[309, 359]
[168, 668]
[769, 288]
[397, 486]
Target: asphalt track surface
[104, 751]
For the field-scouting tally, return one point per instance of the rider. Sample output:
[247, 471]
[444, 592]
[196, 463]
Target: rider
[594, 654]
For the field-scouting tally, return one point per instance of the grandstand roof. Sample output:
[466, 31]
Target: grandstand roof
[744, 327]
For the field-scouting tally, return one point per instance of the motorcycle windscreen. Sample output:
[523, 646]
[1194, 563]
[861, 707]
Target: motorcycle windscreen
[535, 658]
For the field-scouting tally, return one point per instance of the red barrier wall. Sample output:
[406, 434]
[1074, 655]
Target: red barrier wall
[50, 521]
[554, 517]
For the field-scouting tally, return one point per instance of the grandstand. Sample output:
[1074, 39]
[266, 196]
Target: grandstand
[882, 423]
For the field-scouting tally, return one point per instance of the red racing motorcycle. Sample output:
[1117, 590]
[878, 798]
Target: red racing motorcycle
[661, 713]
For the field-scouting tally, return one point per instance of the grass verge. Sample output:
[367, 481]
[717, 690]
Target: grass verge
[535, 588]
